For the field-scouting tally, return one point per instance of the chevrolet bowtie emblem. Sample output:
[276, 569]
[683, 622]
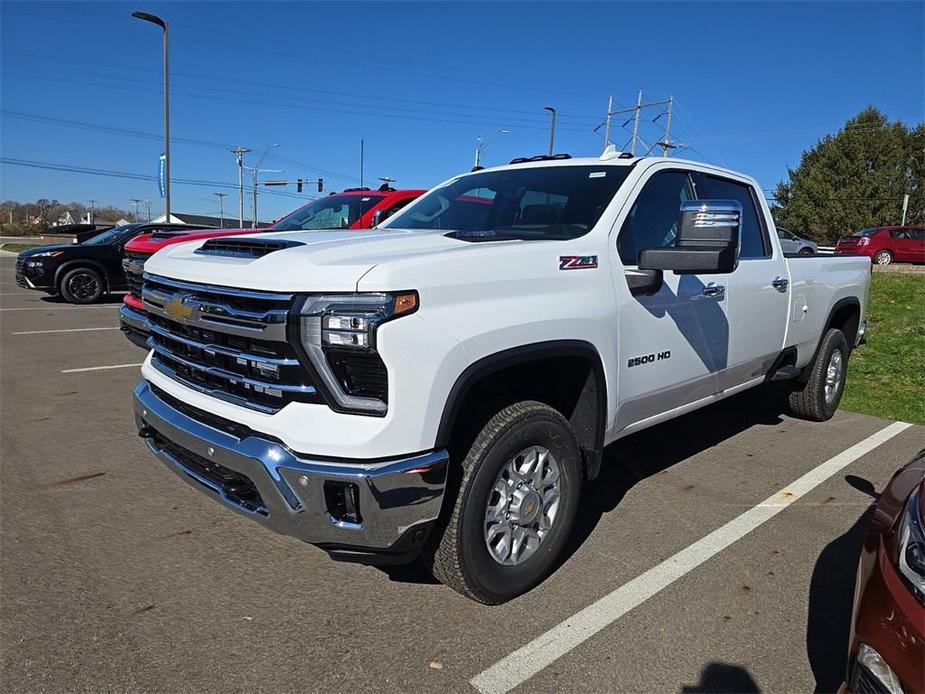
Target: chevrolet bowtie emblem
[179, 309]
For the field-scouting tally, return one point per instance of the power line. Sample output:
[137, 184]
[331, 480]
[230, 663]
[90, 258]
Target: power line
[287, 89]
[69, 168]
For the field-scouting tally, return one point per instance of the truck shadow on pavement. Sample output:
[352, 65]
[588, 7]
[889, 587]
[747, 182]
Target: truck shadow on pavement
[639, 456]
[831, 599]
[629, 461]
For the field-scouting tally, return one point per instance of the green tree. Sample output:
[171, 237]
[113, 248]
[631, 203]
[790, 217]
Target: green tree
[855, 179]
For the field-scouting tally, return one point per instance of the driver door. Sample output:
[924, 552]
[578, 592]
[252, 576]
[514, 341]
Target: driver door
[672, 343]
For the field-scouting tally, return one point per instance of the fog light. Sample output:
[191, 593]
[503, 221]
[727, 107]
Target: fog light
[343, 502]
[874, 663]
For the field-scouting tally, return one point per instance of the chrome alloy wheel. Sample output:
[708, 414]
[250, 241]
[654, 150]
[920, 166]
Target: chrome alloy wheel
[833, 375]
[522, 506]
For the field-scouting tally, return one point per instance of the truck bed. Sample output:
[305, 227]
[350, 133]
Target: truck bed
[817, 285]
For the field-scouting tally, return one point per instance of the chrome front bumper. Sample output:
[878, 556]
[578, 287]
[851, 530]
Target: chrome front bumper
[135, 326]
[397, 500]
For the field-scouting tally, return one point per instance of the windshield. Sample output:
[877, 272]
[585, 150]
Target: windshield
[866, 232]
[111, 236]
[530, 203]
[333, 212]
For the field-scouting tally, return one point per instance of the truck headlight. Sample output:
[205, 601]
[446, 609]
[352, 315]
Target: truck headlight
[908, 544]
[338, 333]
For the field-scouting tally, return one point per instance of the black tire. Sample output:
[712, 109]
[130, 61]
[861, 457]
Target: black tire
[883, 257]
[457, 552]
[806, 251]
[82, 285]
[808, 401]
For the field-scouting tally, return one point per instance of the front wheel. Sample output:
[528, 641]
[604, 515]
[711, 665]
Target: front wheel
[806, 251]
[82, 285]
[515, 508]
[883, 258]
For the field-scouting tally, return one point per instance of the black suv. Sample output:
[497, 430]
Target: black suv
[83, 272]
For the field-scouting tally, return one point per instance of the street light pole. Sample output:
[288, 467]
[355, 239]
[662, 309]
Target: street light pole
[256, 171]
[552, 128]
[482, 146]
[221, 208]
[154, 19]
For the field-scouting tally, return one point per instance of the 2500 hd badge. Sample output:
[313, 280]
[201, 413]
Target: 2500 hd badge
[648, 359]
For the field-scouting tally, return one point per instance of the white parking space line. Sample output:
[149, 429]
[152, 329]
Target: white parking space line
[66, 330]
[99, 368]
[530, 659]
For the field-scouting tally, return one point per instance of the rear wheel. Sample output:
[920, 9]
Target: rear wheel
[515, 507]
[81, 285]
[806, 251]
[883, 258]
[817, 399]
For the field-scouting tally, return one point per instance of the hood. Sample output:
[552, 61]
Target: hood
[312, 261]
[44, 249]
[151, 243]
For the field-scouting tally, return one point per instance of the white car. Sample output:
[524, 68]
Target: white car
[446, 384]
[791, 244]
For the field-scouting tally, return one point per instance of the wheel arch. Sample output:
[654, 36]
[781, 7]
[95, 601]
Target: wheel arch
[845, 315]
[573, 382]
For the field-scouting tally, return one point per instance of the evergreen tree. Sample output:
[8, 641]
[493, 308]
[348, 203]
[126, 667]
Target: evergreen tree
[855, 179]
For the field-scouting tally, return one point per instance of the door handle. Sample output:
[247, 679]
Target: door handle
[780, 283]
[714, 290]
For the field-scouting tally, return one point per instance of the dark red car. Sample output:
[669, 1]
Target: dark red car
[884, 245]
[887, 651]
[354, 208]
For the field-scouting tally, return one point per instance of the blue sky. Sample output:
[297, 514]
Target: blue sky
[755, 84]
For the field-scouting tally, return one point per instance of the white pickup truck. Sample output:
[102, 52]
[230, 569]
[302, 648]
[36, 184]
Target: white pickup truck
[444, 385]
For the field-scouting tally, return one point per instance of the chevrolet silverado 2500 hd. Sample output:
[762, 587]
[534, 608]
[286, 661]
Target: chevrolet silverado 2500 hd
[445, 385]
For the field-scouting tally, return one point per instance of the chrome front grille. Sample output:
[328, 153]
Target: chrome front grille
[228, 343]
[133, 265]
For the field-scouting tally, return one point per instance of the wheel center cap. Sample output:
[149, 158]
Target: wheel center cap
[526, 506]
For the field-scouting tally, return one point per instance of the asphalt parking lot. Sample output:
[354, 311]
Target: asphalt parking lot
[716, 553]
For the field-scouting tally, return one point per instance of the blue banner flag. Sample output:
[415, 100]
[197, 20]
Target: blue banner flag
[162, 174]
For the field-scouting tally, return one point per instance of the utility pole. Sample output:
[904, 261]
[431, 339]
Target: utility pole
[362, 154]
[239, 153]
[221, 208]
[637, 110]
[552, 128]
[136, 202]
[148, 208]
[607, 122]
[92, 211]
[905, 208]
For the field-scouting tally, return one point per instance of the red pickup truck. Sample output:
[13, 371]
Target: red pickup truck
[353, 208]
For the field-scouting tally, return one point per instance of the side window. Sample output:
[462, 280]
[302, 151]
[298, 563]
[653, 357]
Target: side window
[918, 234]
[401, 204]
[653, 218]
[754, 237]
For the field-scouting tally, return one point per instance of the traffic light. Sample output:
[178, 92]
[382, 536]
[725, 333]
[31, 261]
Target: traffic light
[320, 184]
[298, 186]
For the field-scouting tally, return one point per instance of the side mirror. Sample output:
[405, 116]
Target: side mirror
[707, 243]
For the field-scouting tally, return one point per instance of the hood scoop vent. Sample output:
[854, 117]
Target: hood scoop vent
[244, 248]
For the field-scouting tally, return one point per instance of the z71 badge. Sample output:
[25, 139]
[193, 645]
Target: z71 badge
[577, 262]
